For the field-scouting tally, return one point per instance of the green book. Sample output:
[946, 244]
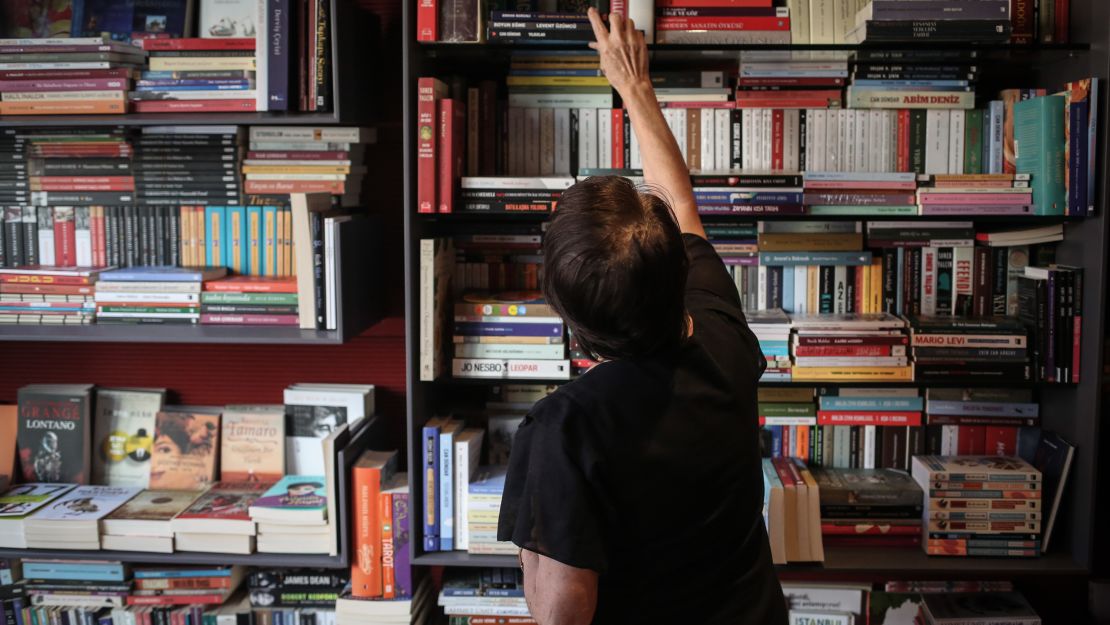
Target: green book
[779, 409]
[973, 142]
[862, 211]
[223, 297]
[1039, 147]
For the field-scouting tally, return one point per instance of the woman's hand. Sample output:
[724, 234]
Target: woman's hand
[622, 52]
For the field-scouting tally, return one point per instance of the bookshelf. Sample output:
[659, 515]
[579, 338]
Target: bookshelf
[1072, 410]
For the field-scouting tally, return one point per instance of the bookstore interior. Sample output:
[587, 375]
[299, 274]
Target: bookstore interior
[271, 302]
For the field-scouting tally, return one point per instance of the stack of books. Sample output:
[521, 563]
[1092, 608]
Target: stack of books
[868, 508]
[59, 166]
[19, 503]
[483, 506]
[66, 76]
[170, 586]
[558, 81]
[958, 486]
[698, 21]
[37, 295]
[772, 330]
[792, 504]
[867, 329]
[748, 194]
[983, 421]
[548, 27]
[292, 516]
[144, 522]
[706, 92]
[976, 607]
[15, 188]
[418, 608]
[73, 521]
[198, 75]
[513, 335]
[80, 588]
[868, 428]
[291, 593]
[289, 159]
[508, 195]
[187, 165]
[860, 193]
[250, 300]
[774, 80]
[219, 520]
[788, 417]
[811, 267]
[162, 295]
[933, 87]
[483, 592]
[1050, 303]
[892, 21]
[976, 194]
[736, 244]
[956, 348]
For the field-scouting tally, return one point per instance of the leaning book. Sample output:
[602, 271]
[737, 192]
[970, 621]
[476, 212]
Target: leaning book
[123, 435]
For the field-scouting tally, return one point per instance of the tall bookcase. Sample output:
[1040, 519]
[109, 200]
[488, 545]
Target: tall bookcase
[1055, 581]
[216, 366]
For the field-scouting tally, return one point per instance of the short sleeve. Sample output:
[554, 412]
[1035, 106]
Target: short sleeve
[548, 506]
[707, 272]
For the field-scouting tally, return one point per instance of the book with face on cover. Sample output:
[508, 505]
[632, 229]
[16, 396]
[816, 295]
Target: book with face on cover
[185, 448]
[252, 443]
[123, 434]
[222, 509]
[296, 499]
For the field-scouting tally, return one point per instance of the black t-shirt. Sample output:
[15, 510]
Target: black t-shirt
[649, 473]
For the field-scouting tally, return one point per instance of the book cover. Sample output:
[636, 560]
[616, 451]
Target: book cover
[958, 607]
[86, 503]
[20, 501]
[304, 493]
[402, 537]
[185, 450]
[228, 501]
[1039, 150]
[305, 428]
[228, 18]
[9, 426]
[1053, 459]
[371, 472]
[54, 433]
[252, 443]
[124, 429]
[153, 505]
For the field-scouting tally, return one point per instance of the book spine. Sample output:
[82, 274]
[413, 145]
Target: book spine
[427, 126]
[402, 566]
[445, 182]
[446, 492]
[431, 488]
[389, 588]
[278, 61]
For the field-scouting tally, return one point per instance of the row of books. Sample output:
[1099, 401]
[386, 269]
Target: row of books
[762, 22]
[249, 57]
[170, 166]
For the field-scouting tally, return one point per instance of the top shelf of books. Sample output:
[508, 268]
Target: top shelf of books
[180, 119]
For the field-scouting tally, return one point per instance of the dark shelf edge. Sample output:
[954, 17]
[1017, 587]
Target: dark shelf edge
[846, 560]
[467, 218]
[185, 557]
[173, 119]
[208, 334]
[800, 47]
[962, 383]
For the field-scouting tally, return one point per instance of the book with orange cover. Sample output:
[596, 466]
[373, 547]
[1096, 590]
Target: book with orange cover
[371, 472]
[9, 425]
[252, 284]
[185, 449]
[64, 107]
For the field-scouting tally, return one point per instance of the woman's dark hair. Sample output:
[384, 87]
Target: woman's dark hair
[615, 269]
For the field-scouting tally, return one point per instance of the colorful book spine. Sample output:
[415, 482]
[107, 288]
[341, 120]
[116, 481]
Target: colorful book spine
[402, 530]
[430, 437]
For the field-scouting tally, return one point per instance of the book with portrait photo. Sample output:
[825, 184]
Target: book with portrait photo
[186, 442]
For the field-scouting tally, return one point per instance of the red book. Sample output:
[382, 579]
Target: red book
[971, 440]
[1063, 20]
[1000, 441]
[722, 23]
[619, 7]
[852, 340]
[903, 155]
[429, 91]
[60, 74]
[776, 139]
[23, 278]
[370, 472]
[788, 99]
[618, 137]
[183, 583]
[870, 529]
[213, 599]
[830, 351]
[197, 43]
[250, 320]
[869, 417]
[697, 105]
[48, 289]
[426, 20]
[447, 154]
[201, 106]
[337, 155]
[282, 187]
[789, 81]
[1023, 20]
[713, 3]
[252, 284]
[65, 239]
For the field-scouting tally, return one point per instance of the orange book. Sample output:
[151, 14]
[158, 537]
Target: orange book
[252, 284]
[389, 590]
[186, 236]
[64, 107]
[269, 246]
[9, 423]
[282, 262]
[256, 187]
[198, 234]
[371, 470]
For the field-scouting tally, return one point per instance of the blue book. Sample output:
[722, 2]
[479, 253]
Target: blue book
[747, 197]
[1078, 113]
[489, 480]
[871, 403]
[790, 259]
[430, 445]
[92, 18]
[163, 274]
[277, 51]
[91, 571]
[787, 290]
[911, 84]
[177, 572]
[1039, 147]
[446, 485]
[776, 440]
[478, 328]
[215, 231]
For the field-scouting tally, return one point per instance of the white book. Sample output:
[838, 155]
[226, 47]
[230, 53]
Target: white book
[531, 142]
[642, 12]
[427, 313]
[446, 484]
[680, 120]
[769, 139]
[561, 137]
[261, 57]
[844, 19]
[555, 100]
[863, 137]
[929, 280]
[842, 140]
[884, 145]
[874, 140]
[816, 148]
[722, 135]
[635, 159]
[516, 141]
[868, 447]
[853, 147]
[808, 139]
[799, 21]
[956, 142]
[832, 145]
[801, 288]
[747, 126]
[547, 142]
[587, 138]
[893, 163]
[822, 21]
[761, 289]
[791, 128]
[936, 141]
[491, 368]
[840, 289]
[708, 145]
[468, 448]
[44, 215]
[604, 138]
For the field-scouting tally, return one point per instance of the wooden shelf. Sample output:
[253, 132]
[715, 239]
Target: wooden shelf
[874, 561]
[171, 119]
[183, 557]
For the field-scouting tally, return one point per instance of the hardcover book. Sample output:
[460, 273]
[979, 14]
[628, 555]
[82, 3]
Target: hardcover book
[124, 431]
[184, 455]
[252, 443]
[953, 608]
[54, 437]
[866, 487]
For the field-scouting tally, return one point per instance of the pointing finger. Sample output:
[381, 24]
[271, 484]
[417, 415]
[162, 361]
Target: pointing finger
[616, 25]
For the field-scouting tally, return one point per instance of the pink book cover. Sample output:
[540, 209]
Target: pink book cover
[250, 320]
[881, 185]
[974, 198]
[697, 105]
[976, 209]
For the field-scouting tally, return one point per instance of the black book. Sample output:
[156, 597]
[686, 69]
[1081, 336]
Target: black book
[30, 234]
[926, 371]
[81, 198]
[934, 30]
[1032, 304]
[1053, 459]
[13, 235]
[54, 432]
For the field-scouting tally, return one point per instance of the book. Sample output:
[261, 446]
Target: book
[312, 413]
[72, 521]
[1039, 149]
[9, 426]
[124, 435]
[149, 514]
[1053, 458]
[222, 509]
[54, 437]
[252, 443]
[19, 502]
[369, 475]
[954, 608]
[295, 500]
[185, 450]
[228, 18]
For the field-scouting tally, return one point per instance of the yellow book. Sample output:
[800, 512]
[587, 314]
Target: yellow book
[877, 285]
[847, 374]
[254, 237]
[557, 81]
[813, 289]
[287, 241]
[296, 169]
[201, 63]
[555, 62]
[186, 229]
[217, 243]
[271, 247]
[787, 395]
[198, 235]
